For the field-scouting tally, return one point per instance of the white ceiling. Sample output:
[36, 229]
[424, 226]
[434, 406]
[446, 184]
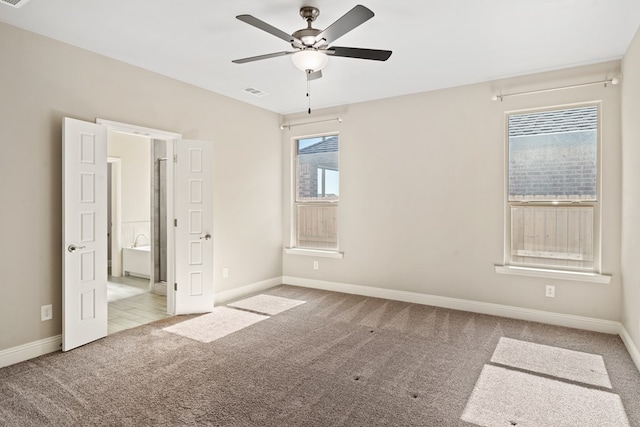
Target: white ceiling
[435, 44]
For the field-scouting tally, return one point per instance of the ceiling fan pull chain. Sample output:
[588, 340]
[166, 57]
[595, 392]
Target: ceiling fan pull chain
[309, 93]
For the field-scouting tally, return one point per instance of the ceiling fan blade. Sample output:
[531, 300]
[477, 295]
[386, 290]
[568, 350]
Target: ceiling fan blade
[251, 20]
[350, 20]
[259, 57]
[314, 75]
[356, 52]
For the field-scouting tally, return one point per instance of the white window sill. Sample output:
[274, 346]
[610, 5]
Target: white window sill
[314, 252]
[553, 274]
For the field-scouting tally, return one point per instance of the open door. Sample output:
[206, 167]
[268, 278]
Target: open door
[84, 230]
[193, 209]
[190, 256]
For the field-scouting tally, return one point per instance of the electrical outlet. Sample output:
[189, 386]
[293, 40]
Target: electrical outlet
[46, 312]
[550, 291]
[225, 273]
[316, 265]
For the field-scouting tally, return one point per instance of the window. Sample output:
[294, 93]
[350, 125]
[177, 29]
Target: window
[317, 193]
[553, 188]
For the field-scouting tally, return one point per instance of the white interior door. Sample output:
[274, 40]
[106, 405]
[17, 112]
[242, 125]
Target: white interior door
[84, 229]
[193, 209]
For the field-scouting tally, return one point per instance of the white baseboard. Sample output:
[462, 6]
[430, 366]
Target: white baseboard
[30, 350]
[233, 294]
[48, 345]
[34, 349]
[571, 321]
[631, 347]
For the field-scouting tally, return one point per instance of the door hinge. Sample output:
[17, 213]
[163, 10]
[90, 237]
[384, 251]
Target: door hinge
[175, 286]
[175, 158]
[175, 222]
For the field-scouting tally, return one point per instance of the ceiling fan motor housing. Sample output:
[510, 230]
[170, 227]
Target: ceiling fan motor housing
[307, 35]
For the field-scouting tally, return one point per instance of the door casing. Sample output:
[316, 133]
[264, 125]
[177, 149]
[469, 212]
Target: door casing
[170, 137]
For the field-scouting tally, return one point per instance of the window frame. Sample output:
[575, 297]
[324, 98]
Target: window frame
[596, 205]
[294, 247]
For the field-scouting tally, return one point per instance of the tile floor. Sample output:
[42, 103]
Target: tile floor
[131, 304]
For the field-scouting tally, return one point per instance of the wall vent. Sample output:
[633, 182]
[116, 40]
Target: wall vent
[255, 92]
[14, 3]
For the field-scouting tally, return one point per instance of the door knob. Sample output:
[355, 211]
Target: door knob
[73, 248]
[206, 237]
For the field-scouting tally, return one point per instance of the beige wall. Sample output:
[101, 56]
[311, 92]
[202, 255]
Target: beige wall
[422, 182]
[422, 194]
[631, 190]
[42, 81]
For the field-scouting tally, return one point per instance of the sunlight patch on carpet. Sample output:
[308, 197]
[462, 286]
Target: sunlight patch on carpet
[558, 362]
[504, 397]
[267, 304]
[219, 323]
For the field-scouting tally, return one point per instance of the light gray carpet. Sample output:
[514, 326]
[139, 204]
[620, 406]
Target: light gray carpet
[553, 361]
[266, 304]
[504, 397]
[221, 322]
[337, 360]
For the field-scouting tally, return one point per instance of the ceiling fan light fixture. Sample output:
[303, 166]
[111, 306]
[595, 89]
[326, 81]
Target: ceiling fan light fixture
[309, 60]
[308, 40]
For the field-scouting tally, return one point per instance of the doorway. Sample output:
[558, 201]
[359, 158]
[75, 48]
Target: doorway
[137, 230]
[159, 229]
[189, 219]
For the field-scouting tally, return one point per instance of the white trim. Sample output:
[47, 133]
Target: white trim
[48, 345]
[138, 130]
[314, 252]
[171, 236]
[229, 295]
[596, 204]
[293, 189]
[171, 138]
[34, 349]
[30, 350]
[559, 319]
[631, 347]
[553, 274]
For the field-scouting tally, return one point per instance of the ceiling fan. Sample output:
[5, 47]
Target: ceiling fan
[312, 45]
